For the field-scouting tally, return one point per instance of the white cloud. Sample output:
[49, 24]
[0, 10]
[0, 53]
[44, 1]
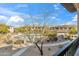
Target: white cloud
[12, 17]
[3, 17]
[8, 12]
[72, 22]
[53, 17]
[68, 23]
[16, 19]
[74, 18]
[56, 6]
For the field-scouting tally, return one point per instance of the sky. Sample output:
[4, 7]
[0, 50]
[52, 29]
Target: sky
[20, 14]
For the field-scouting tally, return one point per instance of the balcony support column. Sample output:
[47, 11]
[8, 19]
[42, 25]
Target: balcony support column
[77, 8]
[78, 21]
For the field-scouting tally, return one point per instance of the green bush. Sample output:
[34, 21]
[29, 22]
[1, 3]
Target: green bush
[9, 42]
[60, 46]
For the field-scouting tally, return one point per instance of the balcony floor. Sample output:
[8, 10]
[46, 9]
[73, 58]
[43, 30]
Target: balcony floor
[77, 52]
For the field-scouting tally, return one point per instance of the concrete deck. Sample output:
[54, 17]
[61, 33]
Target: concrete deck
[77, 52]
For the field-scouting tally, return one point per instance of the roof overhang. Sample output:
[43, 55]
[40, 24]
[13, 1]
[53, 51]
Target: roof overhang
[70, 6]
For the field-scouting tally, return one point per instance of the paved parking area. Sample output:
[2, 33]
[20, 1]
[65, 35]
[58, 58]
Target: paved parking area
[7, 51]
[48, 49]
[33, 51]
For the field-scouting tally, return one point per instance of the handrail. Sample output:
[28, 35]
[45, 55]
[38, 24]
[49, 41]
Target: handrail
[69, 49]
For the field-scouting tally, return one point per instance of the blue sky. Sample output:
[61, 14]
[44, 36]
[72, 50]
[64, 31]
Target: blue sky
[20, 14]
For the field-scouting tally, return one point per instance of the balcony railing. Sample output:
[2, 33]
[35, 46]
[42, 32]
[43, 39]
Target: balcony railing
[69, 49]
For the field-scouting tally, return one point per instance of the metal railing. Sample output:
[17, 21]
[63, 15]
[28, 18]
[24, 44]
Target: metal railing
[69, 49]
